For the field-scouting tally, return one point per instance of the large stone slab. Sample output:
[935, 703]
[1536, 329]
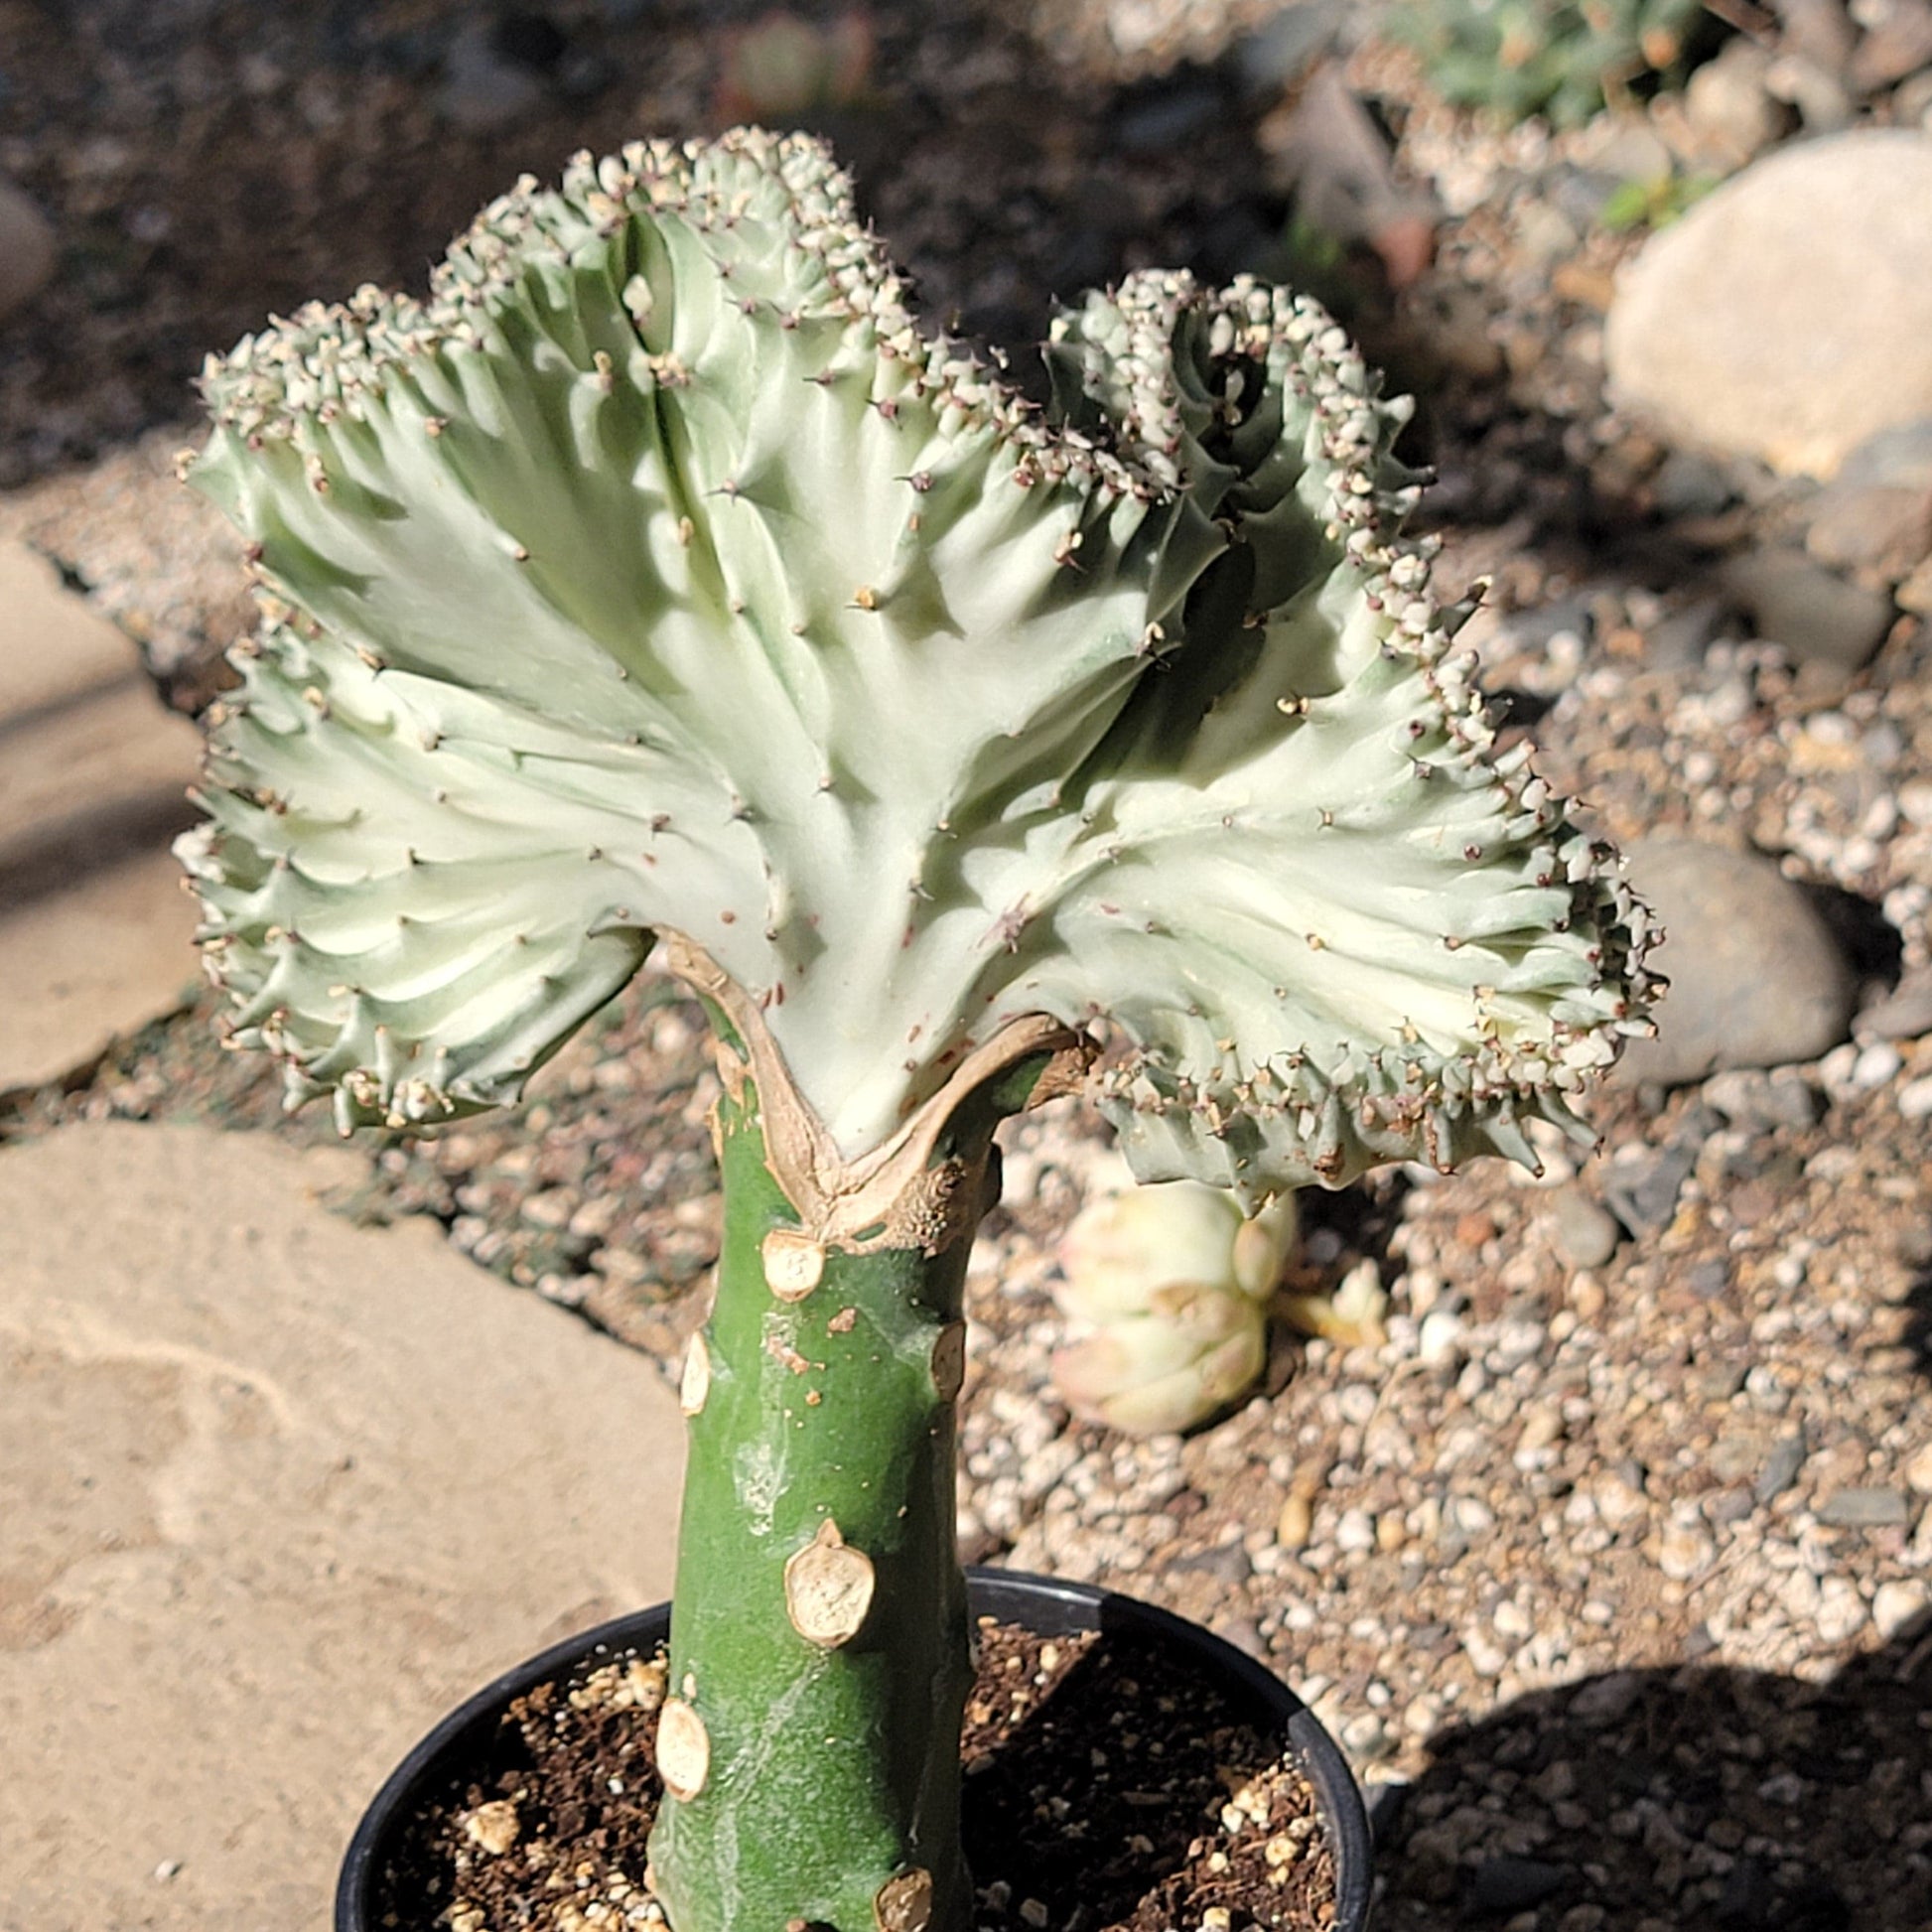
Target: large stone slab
[1789, 314]
[276, 1491]
[154, 555]
[85, 965]
[94, 932]
[54, 647]
[112, 753]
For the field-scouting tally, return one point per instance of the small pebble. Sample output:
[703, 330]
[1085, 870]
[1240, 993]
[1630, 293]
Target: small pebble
[1726, 1507]
[27, 259]
[1894, 1605]
[1780, 1470]
[1356, 1531]
[1244, 1634]
[484, 88]
[1752, 1099]
[1540, 1427]
[1816, 615]
[1642, 1183]
[1441, 1337]
[1297, 1519]
[1685, 1551]
[1584, 1232]
[1707, 1280]
[1841, 1611]
[1366, 1738]
[1902, 1013]
[1756, 978]
[1876, 1066]
[1605, 1700]
[493, 1827]
[1863, 1509]
[1518, 1342]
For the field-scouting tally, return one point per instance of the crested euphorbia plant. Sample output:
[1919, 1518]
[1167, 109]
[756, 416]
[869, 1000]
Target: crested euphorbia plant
[657, 582]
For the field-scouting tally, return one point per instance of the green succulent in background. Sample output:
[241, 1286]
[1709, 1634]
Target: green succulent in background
[1653, 204]
[1560, 58]
[657, 580]
[782, 64]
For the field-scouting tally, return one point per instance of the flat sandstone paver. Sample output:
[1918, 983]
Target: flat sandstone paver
[156, 557]
[81, 967]
[56, 647]
[277, 1491]
[94, 769]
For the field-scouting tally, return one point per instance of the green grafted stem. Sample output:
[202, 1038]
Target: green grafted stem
[826, 1768]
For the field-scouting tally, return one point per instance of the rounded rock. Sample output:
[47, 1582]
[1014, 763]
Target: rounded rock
[1788, 316]
[1584, 1231]
[1755, 979]
[1896, 1606]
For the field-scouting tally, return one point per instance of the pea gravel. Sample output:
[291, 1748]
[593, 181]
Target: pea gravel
[1612, 1566]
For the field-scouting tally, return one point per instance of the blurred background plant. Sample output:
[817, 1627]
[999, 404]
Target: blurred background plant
[784, 67]
[1653, 204]
[1565, 58]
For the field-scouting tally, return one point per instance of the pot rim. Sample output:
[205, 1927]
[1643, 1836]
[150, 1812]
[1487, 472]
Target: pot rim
[1045, 1604]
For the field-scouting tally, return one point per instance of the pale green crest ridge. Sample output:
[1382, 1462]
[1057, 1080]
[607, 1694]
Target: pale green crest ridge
[656, 573]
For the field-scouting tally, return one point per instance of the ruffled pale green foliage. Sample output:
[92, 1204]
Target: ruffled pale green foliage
[656, 573]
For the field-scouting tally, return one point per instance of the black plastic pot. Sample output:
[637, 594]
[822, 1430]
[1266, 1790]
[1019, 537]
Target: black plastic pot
[1038, 1603]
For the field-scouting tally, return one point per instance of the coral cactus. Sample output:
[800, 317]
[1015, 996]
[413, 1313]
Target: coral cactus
[1560, 58]
[657, 578]
[1170, 1286]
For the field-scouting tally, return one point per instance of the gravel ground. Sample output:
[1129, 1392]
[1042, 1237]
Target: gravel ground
[1612, 1568]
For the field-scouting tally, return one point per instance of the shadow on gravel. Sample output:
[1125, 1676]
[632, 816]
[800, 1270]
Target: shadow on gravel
[1645, 1801]
[295, 152]
[1874, 947]
[1919, 1336]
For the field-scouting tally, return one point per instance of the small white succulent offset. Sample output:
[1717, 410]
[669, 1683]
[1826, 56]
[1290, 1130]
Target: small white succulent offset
[657, 579]
[1166, 1288]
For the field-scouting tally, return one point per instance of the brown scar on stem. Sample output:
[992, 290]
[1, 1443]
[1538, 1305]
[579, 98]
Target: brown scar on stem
[828, 1589]
[695, 1383]
[683, 1749]
[782, 1352]
[903, 1904]
[878, 1201]
[949, 1360]
[793, 1263]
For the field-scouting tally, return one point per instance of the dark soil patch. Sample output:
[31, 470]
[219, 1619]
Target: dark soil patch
[1110, 1787]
